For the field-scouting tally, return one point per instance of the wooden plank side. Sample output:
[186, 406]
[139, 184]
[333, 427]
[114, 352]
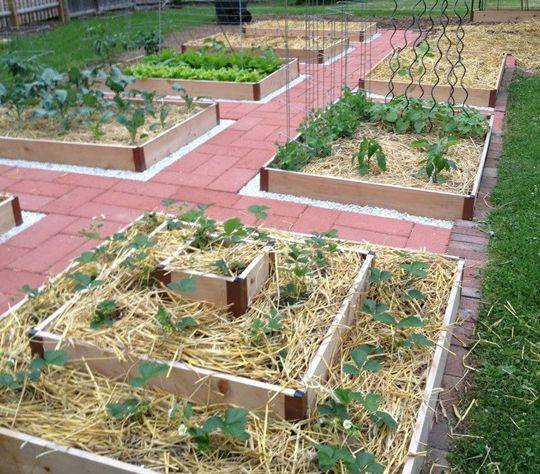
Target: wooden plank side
[179, 135]
[200, 385]
[94, 155]
[7, 216]
[278, 79]
[483, 158]
[221, 89]
[256, 274]
[354, 32]
[488, 16]
[208, 287]
[414, 201]
[321, 362]
[476, 96]
[418, 445]
[25, 454]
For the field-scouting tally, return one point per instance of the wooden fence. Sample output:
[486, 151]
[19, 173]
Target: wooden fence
[17, 13]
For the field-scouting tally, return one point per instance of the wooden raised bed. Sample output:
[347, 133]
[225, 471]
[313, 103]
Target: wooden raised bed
[209, 386]
[355, 32]
[237, 292]
[114, 156]
[25, 453]
[477, 96]
[224, 89]
[10, 213]
[415, 201]
[306, 56]
[507, 15]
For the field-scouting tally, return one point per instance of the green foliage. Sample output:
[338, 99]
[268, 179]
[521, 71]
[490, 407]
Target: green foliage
[29, 291]
[105, 44]
[211, 64]
[500, 432]
[259, 211]
[330, 457]
[232, 424]
[21, 377]
[378, 276]
[130, 408]
[436, 161]
[147, 371]
[369, 147]
[361, 361]
[187, 286]
[103, 314]
[265, 327]
[165, 321]
[150, 41]
[416, 269]
[82, 280]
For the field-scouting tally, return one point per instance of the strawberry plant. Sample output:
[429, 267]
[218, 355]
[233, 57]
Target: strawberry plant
[21, 377]
[330, 457]
[147, 371]
[361, 361]
[265, 327]
[103, 314]
[169, 326]
[130, 408]
[378, 276]
[232, 424]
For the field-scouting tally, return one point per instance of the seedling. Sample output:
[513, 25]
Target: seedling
[20, 378]
[186, 286]
[232, 424]
[416, 269]
[164, 319]
[147, 371]
[369, 147]
[329, 457]
[378, 277]
[30, 292]
[130, 408]
[361, 362]
[265, 327]
[258, 211]
[436, 161]
[83, 281]
[103, 314]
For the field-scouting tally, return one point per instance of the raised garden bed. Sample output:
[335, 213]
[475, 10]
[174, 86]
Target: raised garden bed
[378, 82]
[224, 89]
[245, 379]
[354, 31]
[335, 175]
[80, 419]
[313, 50]
[10, 212]
[494, 15]
[114, 155]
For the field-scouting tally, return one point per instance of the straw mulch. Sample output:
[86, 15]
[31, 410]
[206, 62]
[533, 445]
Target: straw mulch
[312, 25]
[219, 341]
[69, 407]
[58, 291]
[240, 41]
[113, 132]
[402, 160]
[484, 47]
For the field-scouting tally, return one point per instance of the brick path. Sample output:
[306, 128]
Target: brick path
[213, 174]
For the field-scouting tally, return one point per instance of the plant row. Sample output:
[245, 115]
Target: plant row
[214, 63]
[76, 99]
[400, 115]
[350, 414]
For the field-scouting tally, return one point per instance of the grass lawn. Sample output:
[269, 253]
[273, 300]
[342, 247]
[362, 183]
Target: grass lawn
[70, 45]
[502, 430]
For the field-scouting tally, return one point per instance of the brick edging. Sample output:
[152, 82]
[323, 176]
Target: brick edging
[468, 240]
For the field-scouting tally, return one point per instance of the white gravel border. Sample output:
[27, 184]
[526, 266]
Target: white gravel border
[252, 189]
[134, 175]
[29, 218]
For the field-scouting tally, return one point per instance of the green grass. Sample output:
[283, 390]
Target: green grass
[502, 430]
